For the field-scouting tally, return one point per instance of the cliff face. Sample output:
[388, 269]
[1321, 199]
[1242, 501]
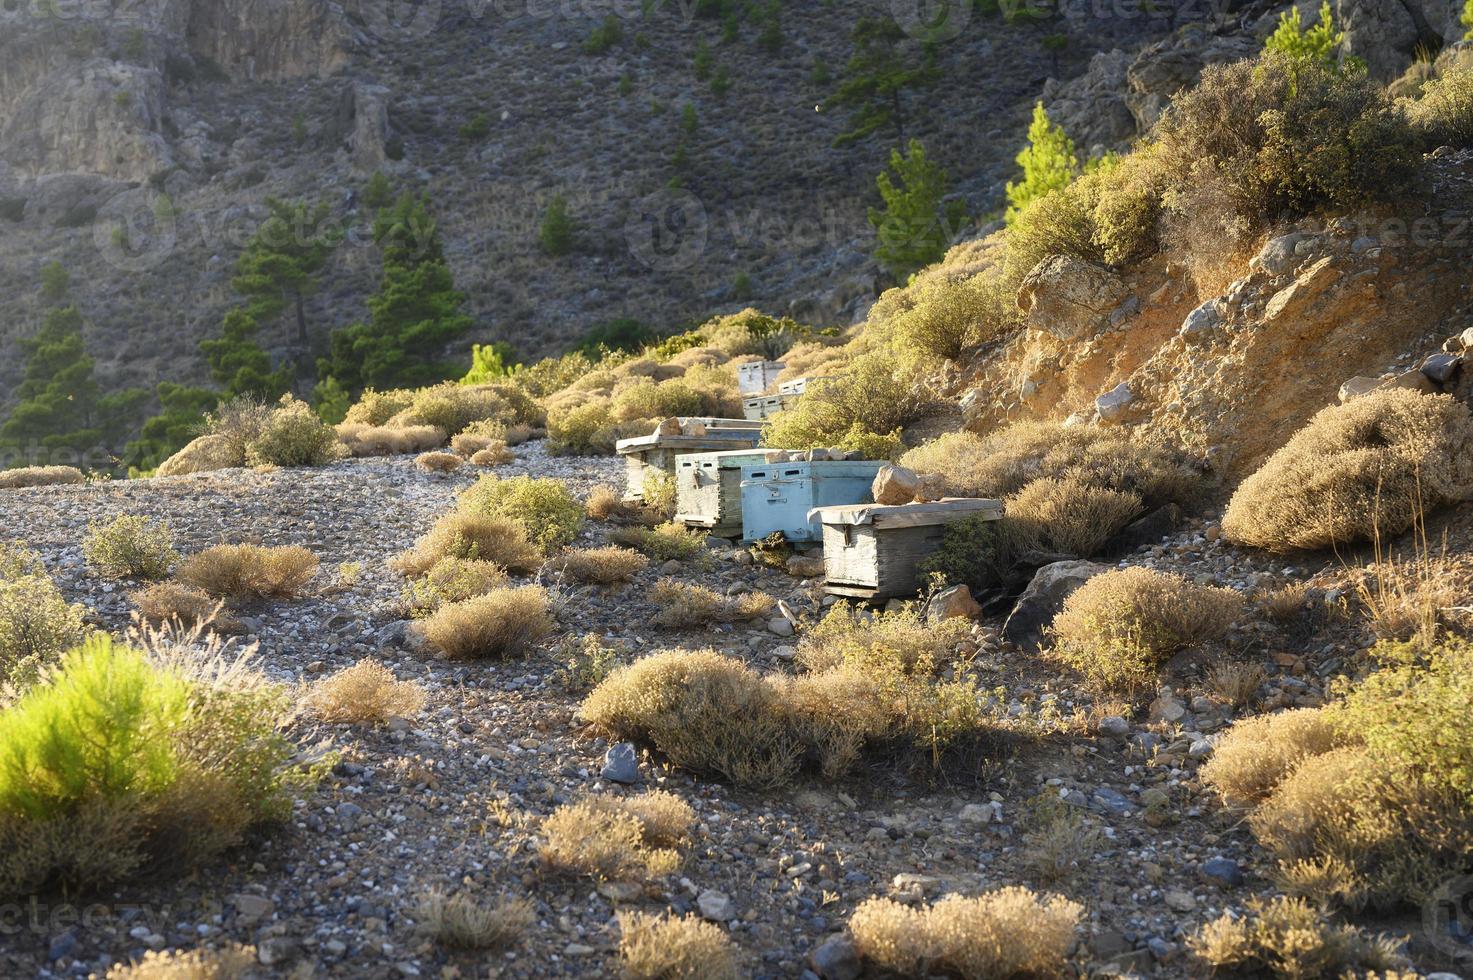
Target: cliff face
[83, 85]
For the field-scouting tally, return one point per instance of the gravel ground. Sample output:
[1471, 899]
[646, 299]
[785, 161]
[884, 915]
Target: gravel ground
[452, 798]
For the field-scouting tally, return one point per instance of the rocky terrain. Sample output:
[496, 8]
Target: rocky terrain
[174, 120]
[452, 797]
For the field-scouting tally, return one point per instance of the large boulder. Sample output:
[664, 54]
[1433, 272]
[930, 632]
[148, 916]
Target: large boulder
[1069, 297]
[203, 455]
[1044, 597]
[895, 485]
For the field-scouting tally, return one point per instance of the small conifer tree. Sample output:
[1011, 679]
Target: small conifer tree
[1049, 163]
[915, 226]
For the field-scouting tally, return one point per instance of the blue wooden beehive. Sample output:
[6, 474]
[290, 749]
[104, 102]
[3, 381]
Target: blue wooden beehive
[778, 496]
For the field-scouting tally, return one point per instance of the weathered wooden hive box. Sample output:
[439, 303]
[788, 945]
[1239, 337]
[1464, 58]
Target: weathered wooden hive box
[656, 454]
[755, 377]
[762, 406]
[871, 550]
[780, 496]
[708, 489]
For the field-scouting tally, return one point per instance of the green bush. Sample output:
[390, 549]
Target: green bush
[870, 395]
[649, 400]
[294, 436]
[36, 624]
[115, 764]
[944, 318]
[130, 547]
[664, 542]
[1443, 115]
[552, 515]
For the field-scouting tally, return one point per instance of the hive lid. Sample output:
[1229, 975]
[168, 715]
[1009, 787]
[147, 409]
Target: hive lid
[908, 515]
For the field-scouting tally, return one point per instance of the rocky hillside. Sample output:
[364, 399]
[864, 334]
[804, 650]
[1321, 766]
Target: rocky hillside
[177, 118]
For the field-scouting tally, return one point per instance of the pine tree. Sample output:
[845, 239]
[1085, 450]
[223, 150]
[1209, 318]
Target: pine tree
[1049, 163]
[378, 192]
[61, 413]
[412, 318]
[556, 230]
[1321, 43]
[55, 282]
[239, 365]
[915, 227]
[281, 262]
[876, 78]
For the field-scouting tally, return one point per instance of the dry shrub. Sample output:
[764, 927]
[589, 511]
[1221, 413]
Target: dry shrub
[1071, 516]
[1010, 932]
[1285, 604]
[618, 838]
[374, 408]
[684, 605]
[607, 504]
[551, 515]
[452, 580]
[459, 921]
[1121, 625]
[39, 476]
[602, 566]
[248, 571]
[900, 640]
[664, 947]
[664, 542]
[1058, 840]
[501, 623]
[1285, 937]
[293, 435]
[17, 560]
[36, 625]
[165, 601]
[940, 318]
[474, 537]
[231, 962]
[1236, 684]
[496, 454]
[1005, 461]
[452, 407]
[479, 435]
[1356, 471]
[379, 440]
[366, 693]
[704, 711]
[438, 462]
[130, 546]
[867, 398]
[1257, 753]
[1443, 114]
[1412, 599]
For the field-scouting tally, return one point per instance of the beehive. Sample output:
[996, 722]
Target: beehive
[762, 406]
[708, 489]
[657, 453]
[779, 496]
[755, 377]
[872, 551]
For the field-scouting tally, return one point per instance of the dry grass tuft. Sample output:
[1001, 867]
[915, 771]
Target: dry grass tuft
[1286, 603]
[684, 605]
[438, 462]
[1236, 684]
[452, 580]
[460, 922]
[39, 476]
[382, 440]
[248, 571]
[1011, 932]
[477, 537]
[501, 623]
[664, 542]
[495, 454]
[601, 566]
[1120, 626]
[618, 838]
[704, 711]
[1072, 516]
[1285, 937]
[233, 962]
[1357, 471]
[1257, 753]
[606, 504]
[165, 601]
[366, 693]
[663, 947]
